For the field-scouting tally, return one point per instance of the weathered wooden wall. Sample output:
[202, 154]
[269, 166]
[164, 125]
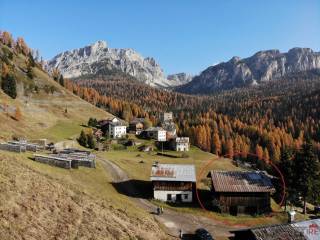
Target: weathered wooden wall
[244, 202]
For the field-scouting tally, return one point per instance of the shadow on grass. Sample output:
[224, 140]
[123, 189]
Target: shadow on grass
[188, 236]
[134, 188]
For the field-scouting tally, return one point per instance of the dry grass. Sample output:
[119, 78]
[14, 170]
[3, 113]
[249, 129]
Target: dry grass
[38, 201]
[43, 114]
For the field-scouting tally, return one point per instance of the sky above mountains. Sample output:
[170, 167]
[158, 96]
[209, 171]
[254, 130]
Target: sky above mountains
[182, 35]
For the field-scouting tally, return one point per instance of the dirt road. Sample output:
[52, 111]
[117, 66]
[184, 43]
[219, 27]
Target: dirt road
[172, 220]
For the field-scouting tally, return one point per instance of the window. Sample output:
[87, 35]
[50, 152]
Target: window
[185, 196]
[169, 197]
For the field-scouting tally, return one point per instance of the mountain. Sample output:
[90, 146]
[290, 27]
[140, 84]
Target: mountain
[263, 66]
[99, 59]
[179, 78]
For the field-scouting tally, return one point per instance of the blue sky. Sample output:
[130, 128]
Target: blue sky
[182, 35]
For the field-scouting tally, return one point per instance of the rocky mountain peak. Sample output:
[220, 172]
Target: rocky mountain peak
[263, 66]
[98, 57]
[98, 45]
[235, 59]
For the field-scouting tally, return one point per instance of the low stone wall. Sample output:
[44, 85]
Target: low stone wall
[54, 161]
[12, 147]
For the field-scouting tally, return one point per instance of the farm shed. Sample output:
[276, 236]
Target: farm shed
[173, 182]
[241, 192]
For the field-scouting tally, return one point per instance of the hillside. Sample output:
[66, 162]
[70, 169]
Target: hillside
[44, 104]
[42, 202]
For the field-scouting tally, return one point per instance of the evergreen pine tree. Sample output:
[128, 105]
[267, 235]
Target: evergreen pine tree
[9, 85]
[82, 139]
[287, 169]
[307, 173]
[61, 80]
[90, 140]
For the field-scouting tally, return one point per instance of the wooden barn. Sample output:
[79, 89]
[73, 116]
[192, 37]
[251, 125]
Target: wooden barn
[241, 192]
[173, 182]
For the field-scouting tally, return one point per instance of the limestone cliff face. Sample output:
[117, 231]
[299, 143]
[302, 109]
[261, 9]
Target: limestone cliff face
[261, 67]
[98, 57]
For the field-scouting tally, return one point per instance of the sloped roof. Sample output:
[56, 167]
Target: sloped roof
[304, 230]
[277, 232]
[154, 129]
[240, 181]
[173, 172]
[137, 120]
[310, 229]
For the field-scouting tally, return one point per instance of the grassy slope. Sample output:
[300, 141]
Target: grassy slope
[38, 201]
[43, 115]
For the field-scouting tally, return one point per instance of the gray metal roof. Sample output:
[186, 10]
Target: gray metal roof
[303, 230]
[240, 181]
[173, 172]
[310, 229]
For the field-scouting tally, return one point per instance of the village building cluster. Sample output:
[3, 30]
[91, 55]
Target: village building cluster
[166, 132]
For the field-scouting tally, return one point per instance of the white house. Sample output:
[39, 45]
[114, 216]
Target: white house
[157, 133]
[117, 130]
[173, 182]
[181, 144]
